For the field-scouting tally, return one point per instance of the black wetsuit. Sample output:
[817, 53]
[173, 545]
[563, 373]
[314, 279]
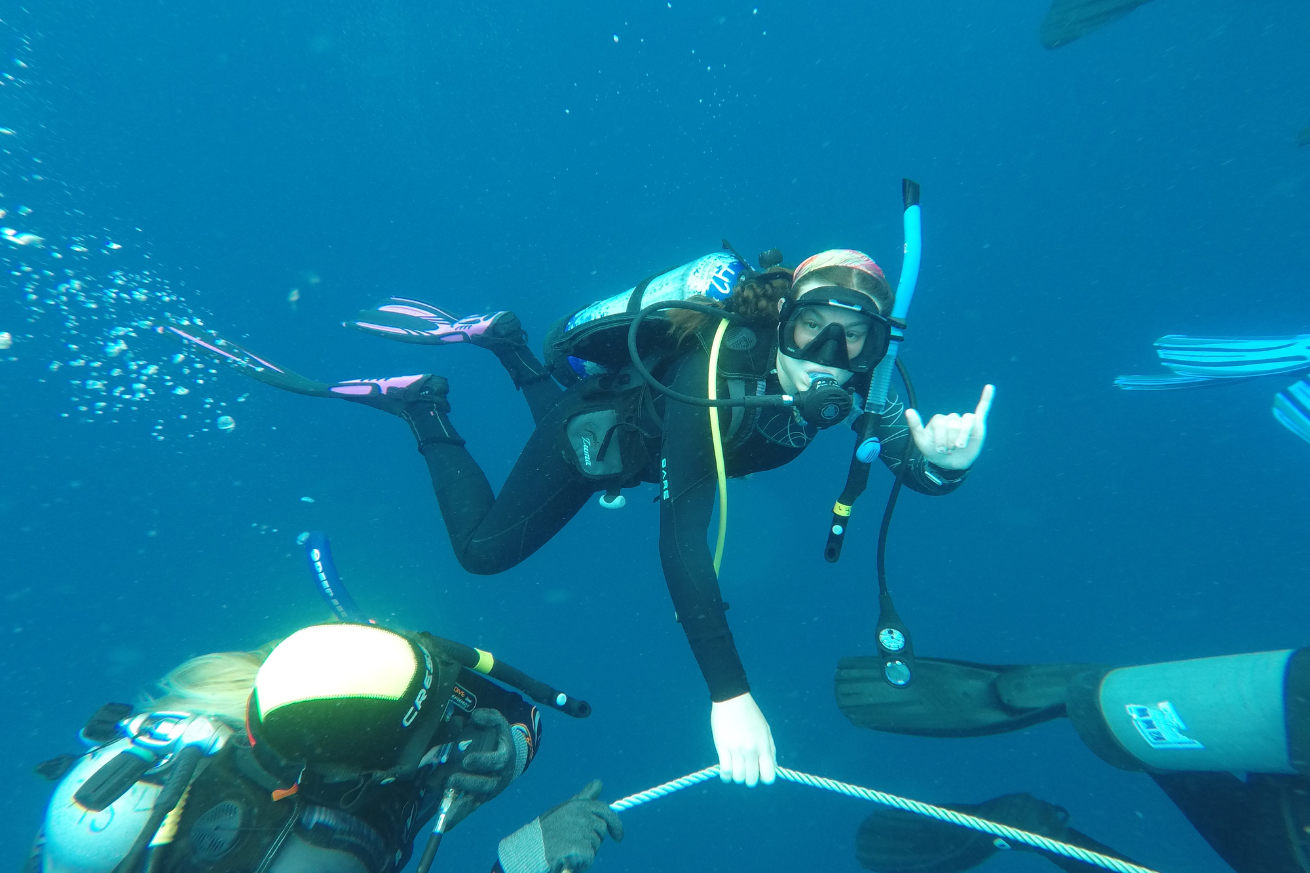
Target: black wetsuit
[545, 489]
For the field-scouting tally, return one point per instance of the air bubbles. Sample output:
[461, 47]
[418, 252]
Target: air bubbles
[226, 423]
[21, 239]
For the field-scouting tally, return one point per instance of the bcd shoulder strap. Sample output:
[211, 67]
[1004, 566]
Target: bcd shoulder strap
[745, 361]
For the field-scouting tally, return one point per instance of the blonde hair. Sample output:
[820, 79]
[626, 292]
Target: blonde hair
[217, 684]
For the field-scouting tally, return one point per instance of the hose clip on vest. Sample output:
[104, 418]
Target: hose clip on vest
[868, 450]
[612, 499]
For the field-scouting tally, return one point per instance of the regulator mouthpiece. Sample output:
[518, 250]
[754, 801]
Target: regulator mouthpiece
[825, 404]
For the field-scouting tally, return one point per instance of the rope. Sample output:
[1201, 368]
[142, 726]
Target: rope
[926, 809]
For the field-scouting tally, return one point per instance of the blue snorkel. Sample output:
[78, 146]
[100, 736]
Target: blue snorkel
[893, 638]
[868, 446]
[319, 552]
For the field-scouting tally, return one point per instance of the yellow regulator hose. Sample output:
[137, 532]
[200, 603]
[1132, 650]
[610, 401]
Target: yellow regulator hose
[718, 444]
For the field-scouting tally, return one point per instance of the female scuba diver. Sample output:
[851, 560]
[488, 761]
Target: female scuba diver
[798, 344]
[326, 753]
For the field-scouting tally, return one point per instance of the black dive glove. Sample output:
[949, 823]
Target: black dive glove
[566, 838]
[489, 766]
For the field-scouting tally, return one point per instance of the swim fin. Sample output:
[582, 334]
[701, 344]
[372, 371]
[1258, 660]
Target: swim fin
[211, 345]
[1292, 408]
[1165, 383]
[1234, 357]
[392, 394]
[894, 841]
[415, 321]
[1067, 20]
[953, 698]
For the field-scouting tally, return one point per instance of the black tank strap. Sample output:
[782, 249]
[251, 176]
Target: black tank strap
[634, 299]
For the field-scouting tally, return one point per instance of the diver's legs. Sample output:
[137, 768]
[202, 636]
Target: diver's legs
[527, 371]
[491, 533]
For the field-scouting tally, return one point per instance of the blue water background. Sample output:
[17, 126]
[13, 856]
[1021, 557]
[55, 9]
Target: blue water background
[1077, 205]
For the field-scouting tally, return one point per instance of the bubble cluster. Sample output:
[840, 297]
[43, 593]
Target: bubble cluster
[96, 327]
[83, 307]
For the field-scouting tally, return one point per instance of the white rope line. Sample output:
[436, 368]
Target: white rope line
[667, 788]
[903, 803]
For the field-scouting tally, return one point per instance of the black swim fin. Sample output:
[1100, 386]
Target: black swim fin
[953, 698]
[1068, 20]
[893, 841]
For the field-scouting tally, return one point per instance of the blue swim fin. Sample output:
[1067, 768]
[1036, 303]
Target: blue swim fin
[1165, 383]
[1230, 357]
[1292, 408]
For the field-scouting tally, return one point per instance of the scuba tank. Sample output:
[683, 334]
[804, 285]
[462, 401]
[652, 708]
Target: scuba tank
[594, 339]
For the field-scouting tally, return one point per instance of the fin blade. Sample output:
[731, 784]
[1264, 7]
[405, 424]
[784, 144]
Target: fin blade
[1292, 408]
[946, 699]
[1067, 20]
[1234, 357]
[1164, 383]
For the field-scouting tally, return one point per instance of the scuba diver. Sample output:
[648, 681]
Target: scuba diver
[791, 352]
[329, 752]
[1226, 738]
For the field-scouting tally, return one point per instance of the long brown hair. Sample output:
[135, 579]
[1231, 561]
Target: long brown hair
[755, 298]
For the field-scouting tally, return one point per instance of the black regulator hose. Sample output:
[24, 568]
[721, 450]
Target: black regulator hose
[824, 404]
[645, 373]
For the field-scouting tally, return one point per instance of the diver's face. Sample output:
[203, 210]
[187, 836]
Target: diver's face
[796, 375]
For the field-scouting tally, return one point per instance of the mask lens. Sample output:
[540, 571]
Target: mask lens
[836, 334]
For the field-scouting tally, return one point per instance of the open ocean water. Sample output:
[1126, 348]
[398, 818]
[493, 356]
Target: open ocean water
[218, 160]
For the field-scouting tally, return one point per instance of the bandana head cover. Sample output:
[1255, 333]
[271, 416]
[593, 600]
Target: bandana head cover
[847, 258]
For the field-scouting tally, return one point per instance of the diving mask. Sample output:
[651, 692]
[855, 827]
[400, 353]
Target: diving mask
[834, 327]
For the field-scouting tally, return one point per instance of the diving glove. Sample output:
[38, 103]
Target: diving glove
[566, 838]
[487, 768]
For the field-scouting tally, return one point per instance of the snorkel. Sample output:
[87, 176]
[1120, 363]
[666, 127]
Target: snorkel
[868, 447]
